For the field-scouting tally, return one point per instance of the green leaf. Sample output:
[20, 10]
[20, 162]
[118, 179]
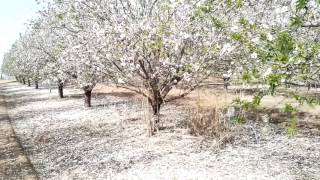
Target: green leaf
[296, 21]
[273, 80]
[239, 119]
[284, 45]
[255, 73]
[229, 3]
[239, 3]
[246, 77]
[293, 127]
[244, 22]
[289, 108]
[263, 36]
[256, 100]
[237, 36]
[216, 22]
[205, 9]
[60, 16]
[300, 4]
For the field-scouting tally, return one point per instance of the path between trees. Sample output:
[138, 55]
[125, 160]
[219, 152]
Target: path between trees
[14, 164]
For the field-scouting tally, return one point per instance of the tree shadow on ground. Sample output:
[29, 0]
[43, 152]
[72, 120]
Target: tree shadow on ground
[276, 116]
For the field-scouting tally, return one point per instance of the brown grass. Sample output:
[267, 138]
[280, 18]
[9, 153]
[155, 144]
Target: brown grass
[205, 97]
[207, 114]
[102, 89]
[216, 99]
[207, 122]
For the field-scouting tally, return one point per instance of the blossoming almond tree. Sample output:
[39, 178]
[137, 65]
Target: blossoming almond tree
[50, 45]
[25, 60]
[159, 46]
[285, 47]
[280, 45]
[9, 64]
[80, 55]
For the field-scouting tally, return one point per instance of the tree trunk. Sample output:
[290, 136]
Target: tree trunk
[87, 97]
[156, 103]
[153, 123]
[29, 84]
[23, 80]
[37, 84]
[226, 86]
[60, 89]
[226, 82]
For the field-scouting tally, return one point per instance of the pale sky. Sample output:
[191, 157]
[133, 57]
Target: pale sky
[13, 16]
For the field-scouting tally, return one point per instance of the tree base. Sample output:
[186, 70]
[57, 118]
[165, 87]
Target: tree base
[153, 125]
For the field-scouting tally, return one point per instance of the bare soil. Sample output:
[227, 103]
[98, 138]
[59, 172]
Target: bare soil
[14, 163]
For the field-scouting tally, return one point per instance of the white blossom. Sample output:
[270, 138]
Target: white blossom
[254, 55]
[267, 72]
[270, 37]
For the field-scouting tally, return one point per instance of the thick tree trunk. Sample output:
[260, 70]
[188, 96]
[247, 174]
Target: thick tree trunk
[87, 97]
[37, 85]
[153, 124]
[156, 103]
[23, 80]
[226, 82]
[60, 89]
[29, 83]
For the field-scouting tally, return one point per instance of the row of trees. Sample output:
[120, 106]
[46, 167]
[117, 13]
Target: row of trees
[153, 46]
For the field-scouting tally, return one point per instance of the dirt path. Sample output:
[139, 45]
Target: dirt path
[14, 164]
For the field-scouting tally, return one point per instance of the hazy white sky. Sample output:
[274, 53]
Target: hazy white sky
[13, 16]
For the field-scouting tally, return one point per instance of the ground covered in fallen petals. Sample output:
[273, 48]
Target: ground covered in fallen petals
[64, 140]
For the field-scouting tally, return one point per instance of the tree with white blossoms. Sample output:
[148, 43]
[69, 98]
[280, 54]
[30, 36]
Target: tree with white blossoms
[25, 61]
[160, 46]
[281, 51]
[12, 64]
[279, 44]
[8, 66]
[49, 44]
[81, 58]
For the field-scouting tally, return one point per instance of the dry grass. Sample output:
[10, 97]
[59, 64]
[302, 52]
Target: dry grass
[206, 109]
[205, 97]
[204, 105]
[102, 89]
[214, 100]
[207, 122]
[208, 117]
